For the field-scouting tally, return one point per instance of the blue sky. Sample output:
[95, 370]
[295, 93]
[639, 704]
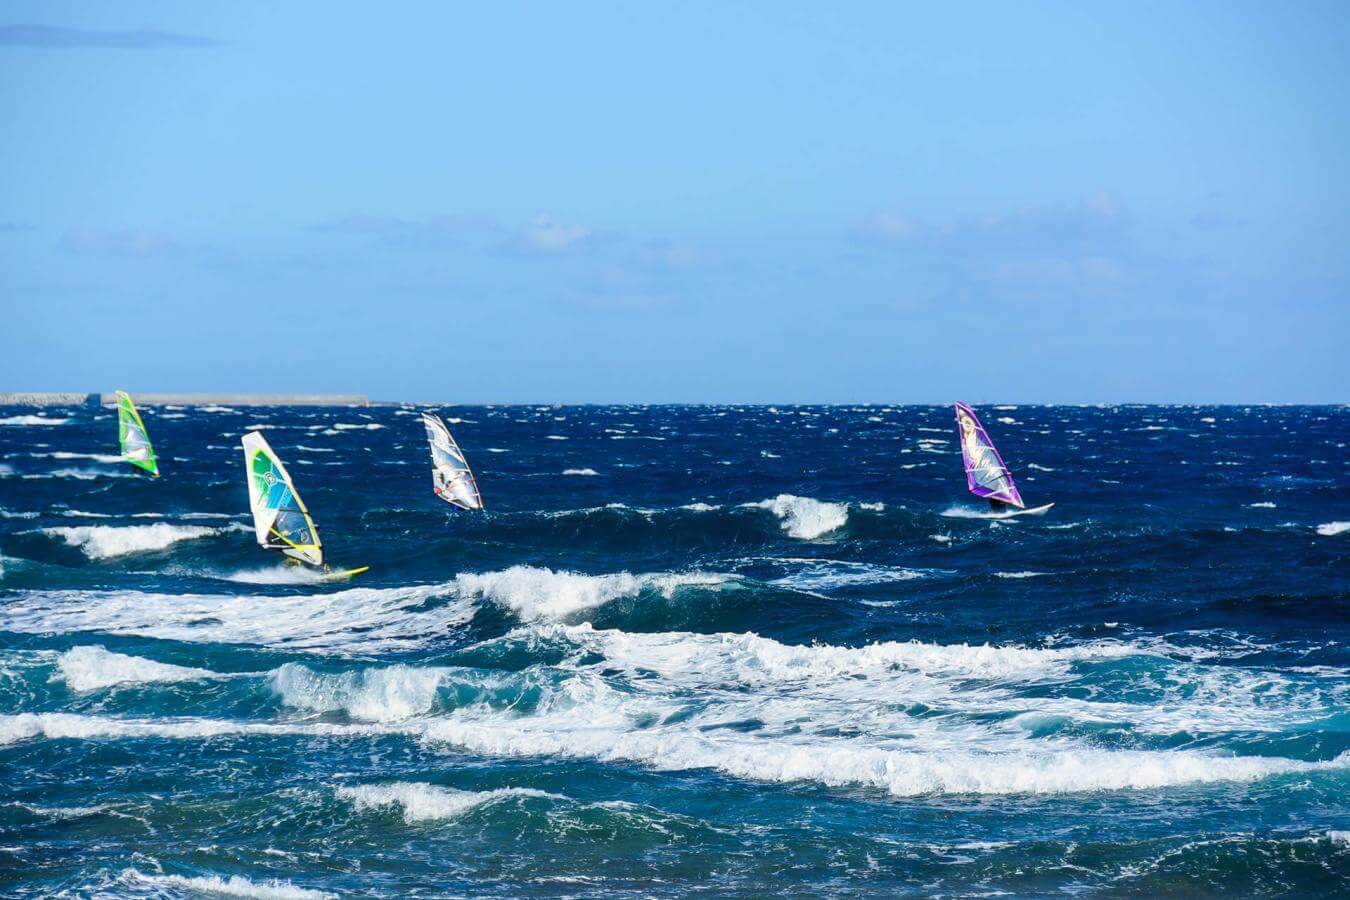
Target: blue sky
[742, 202]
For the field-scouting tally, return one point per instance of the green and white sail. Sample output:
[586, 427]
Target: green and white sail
[451, 477]
[131, 432]
[279, 515]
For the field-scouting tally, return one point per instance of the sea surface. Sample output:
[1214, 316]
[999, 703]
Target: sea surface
[686, 651]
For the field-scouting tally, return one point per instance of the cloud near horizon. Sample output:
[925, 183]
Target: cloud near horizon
[55, 37]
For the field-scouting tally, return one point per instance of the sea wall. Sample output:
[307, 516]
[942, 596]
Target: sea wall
[37, 398]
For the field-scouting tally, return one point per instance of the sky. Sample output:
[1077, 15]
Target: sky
[766, 202]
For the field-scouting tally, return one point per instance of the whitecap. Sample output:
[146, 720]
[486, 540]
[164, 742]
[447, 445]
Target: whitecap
[93, 668]
[805, 517]
[422, 802]
[233, 886]
[541, 593]
[106, 541]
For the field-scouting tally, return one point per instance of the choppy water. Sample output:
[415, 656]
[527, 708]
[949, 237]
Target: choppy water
[721, 650]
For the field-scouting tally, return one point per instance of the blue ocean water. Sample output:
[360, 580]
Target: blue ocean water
[730, 651]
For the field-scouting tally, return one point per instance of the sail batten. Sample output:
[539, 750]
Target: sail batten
[986, 474]
[131, 433]
[281, 520]
[451, 477]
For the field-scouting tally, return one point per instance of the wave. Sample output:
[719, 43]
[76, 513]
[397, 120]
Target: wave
[368, 426]
[106, 541]
[804, 517]
[66, 454]
[92, 668]
[580, 472]
[1331, 529]
[749, 658]
[283, 574]
[355, 620]
[233, 886]
[386, 694]
[32, 420]
[604, 735]
[826, 574]
[81, 474]
[55, 726]
[540, 593]
[1018, 575]
[422, 802]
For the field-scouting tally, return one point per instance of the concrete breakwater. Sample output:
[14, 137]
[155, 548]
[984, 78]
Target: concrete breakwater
[37, 398]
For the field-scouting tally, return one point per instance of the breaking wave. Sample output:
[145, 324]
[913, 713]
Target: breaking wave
[106, 541]
[539, 593]
[32, 420]
[421, 802]
[92, 668]
[233, 886]
[805, 517]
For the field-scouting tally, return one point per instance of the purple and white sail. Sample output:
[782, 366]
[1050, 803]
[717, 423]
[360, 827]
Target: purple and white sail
[986, 475]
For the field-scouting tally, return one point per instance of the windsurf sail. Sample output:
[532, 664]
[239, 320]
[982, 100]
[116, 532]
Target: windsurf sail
[986, 475]
[131, 432]
[451, 477]
[279, 515]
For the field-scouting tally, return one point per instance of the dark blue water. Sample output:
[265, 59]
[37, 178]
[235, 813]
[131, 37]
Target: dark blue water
[687, 650]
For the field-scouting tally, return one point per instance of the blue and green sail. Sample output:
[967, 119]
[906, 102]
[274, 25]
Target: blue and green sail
[136, 448]
[280, 518]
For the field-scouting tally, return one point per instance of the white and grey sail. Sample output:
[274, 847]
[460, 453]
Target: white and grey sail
[451, 477]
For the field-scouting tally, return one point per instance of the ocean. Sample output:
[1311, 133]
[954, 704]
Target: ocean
[686, 651]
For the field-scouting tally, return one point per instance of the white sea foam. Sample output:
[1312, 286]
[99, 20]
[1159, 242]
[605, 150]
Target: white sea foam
[557, 437]
[81, 474]
[355, 620]
[701, 507]
[66, 454]
[276, 575]
[610, 734]
[105, 541]
[1331, 529]
[216, 409]
[740, 658]
[368, 426]
[825, 574]
[1023, 574]
[967, 512]
[423, 802]
[233, 886]
[540, 593]
[804, 517]
[32, 420]
[1265, 504]
[93, 668]
[387, 694]
[580, 472]
[59, 726]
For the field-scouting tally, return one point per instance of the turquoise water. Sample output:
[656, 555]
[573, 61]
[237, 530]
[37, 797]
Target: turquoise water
[686, 651]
